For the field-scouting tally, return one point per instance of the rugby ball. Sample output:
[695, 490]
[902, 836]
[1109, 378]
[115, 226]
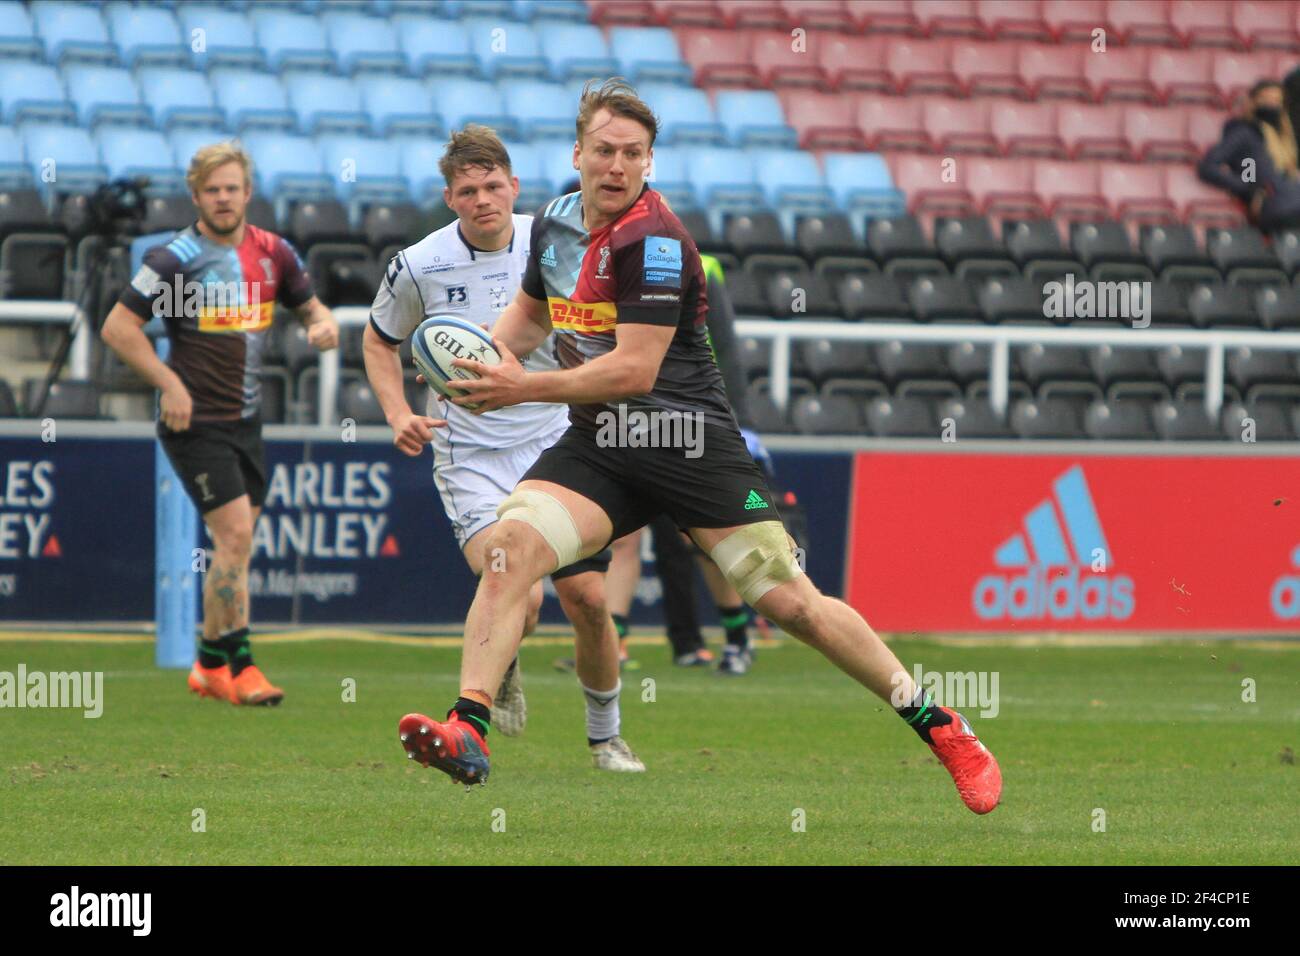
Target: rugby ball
[441, 338]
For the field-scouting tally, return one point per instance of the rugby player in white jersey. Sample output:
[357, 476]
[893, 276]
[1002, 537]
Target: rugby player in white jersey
[472, 268]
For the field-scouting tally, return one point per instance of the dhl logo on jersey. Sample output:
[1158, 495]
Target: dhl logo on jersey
[583, 316]
[236, 318]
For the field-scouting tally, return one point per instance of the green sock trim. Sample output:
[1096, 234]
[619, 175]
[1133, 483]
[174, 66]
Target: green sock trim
[739, 619]
[620, 625]
[483, 724]
[925, 709]
[213, 648]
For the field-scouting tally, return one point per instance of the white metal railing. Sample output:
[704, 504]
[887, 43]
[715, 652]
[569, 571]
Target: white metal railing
[54, 313]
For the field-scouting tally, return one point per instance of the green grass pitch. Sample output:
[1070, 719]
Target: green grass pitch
[1156, 736]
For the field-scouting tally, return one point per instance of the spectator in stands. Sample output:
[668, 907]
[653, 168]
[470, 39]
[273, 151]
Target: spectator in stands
[1256, 160]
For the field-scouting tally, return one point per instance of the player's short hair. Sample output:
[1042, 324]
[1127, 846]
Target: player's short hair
[213, 156]
[1263, 85]
[619, 97]
[474, 145]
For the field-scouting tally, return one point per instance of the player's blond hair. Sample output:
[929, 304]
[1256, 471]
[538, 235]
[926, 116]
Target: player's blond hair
[477, 146]
[619, 97]
[213, 156]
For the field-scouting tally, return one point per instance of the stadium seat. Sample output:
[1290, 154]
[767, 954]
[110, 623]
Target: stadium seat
[326, 104]
[288, 166]
[293, 41]
[1247, 367]
[1120, 74]
[1185, 421]
[459, 101]
[436, 47]
[419, 164]
[363, 43]
[863, 186]
[105, 94]
[252, 100]
[1039, 363]
[901, 238]
[854, 63]
[14, 172]
[921, 67]
[686, 116]
[1243, 256]
[1124, 420]
[73, 32]
[1070, 190]
[829, 15]
[1002, 188]
[828, 235]
[225, 38]
[792, 180]
[827, 415]
[922, 180]
[1204, 23]
[170, 213]
[988, 69]
[668, 176]
[752, 14]
[942, 299]
[399, 105]
[688, 13]
[575, 50]
[137, 152]
[782, 63]
[754, 119]
[1092, 131]
[186, 141]
[1184, 76]
[541, 110]
[1013, 20]
[827, 360]
[179, 98]
[648, 55]
[1104, 248]
[1264, 24]
[892, 122]
[1003, 299]
[767, 419]
[1172, 252]
[1169, 304]
[973, 418]
[959, 126]
[506, 53]
[1046, 418]
[1216, 306]
[907, 417]
[364, 169]
[822, 120]
[719, 57]
[147, 36]
[1141, 22]
[18, 39]
[1027, 129]
[1054, 72]
[1269, 421]
[900, 360]
[800, 295]
[33, 91]
[386, 224]
[1110, 364]
[873, 297]
[1278, 308]
[724, 177]
[68, 398]
[32, 248]
[358, 402]
[1234, 72]
[756, 233]
[72, 153]
[885, 16]
[1159, 135]
[949, 18]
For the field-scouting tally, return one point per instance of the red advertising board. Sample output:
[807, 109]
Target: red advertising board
[1024, 543]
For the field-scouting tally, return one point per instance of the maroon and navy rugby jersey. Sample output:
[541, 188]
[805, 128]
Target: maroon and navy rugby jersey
[217, 303]
[643, 267]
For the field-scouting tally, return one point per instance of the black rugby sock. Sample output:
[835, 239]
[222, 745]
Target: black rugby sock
[922, 715]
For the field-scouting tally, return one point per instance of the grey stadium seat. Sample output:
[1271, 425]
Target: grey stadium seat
[358, 402]
[1185, 420]
[907, 417]
[1127, 419]
[827, 415]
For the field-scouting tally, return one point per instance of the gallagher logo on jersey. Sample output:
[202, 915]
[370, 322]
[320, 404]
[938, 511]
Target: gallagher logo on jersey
[663, 261]
[1054, 584]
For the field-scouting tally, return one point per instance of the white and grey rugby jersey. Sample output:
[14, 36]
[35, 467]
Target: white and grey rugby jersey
[443, 274]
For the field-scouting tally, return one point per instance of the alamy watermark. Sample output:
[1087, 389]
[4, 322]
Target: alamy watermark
[1084, 299]
[957, 689]
[79, 690]
[641, 428]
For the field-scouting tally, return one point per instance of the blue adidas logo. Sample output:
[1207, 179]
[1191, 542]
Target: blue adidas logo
[1059, 581]
[548, 257]
[1284, 597]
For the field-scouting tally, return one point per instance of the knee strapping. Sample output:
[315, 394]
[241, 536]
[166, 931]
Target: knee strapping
[551, 519]
[756, 559]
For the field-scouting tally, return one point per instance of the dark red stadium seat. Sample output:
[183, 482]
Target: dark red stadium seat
[779, 63]
[959, 126]
[921, 180]
[621, 12]
[949, 18]
[1199, 204]
[687, 13]
[753, 14]
[1054, 71]
[822, 120]
[1204, 126]
[1120, 73]
[1141, 21]
[1159, 134]
[1136, 192]
[1204, 23]
[921, 66]
[892, 122]
[1069, 190]
[854, 63]
[1184, 76]
[1092, 131]
[818, 14]
[718, 57]
[1234, 72]
[1266, 24]
[1013, 20]
[1072, 20]
[885, 16]
[1027, 129]
[988, 69]
[1003, 188]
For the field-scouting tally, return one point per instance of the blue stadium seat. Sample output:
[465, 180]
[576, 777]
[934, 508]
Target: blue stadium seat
[33, 91]
[685, 115]
[419, 164]
[72, 31]
[436, 47]
[253, 100]
[671, 178]
[497, 9]
[460, 101]
[755, 118]
[364, 169]
[549, 10]
[225, 37]
[186, 141]
[147, 36]
[649, 55]
[863, 187]
[535, 186]
[179, 97]
[399, 105]
[541, 110]
[791, 177]
[575, 50]
[65, 151]
[288, 167]
[557, 163]
[140, 152]
[105, 94]
[14, 173]
[426, 7]
[506, 51]
[292, 41]
[17, 35]
[723, 179]
[326, 104]
[364, 43]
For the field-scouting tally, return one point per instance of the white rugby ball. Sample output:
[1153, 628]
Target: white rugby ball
[441, 338]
